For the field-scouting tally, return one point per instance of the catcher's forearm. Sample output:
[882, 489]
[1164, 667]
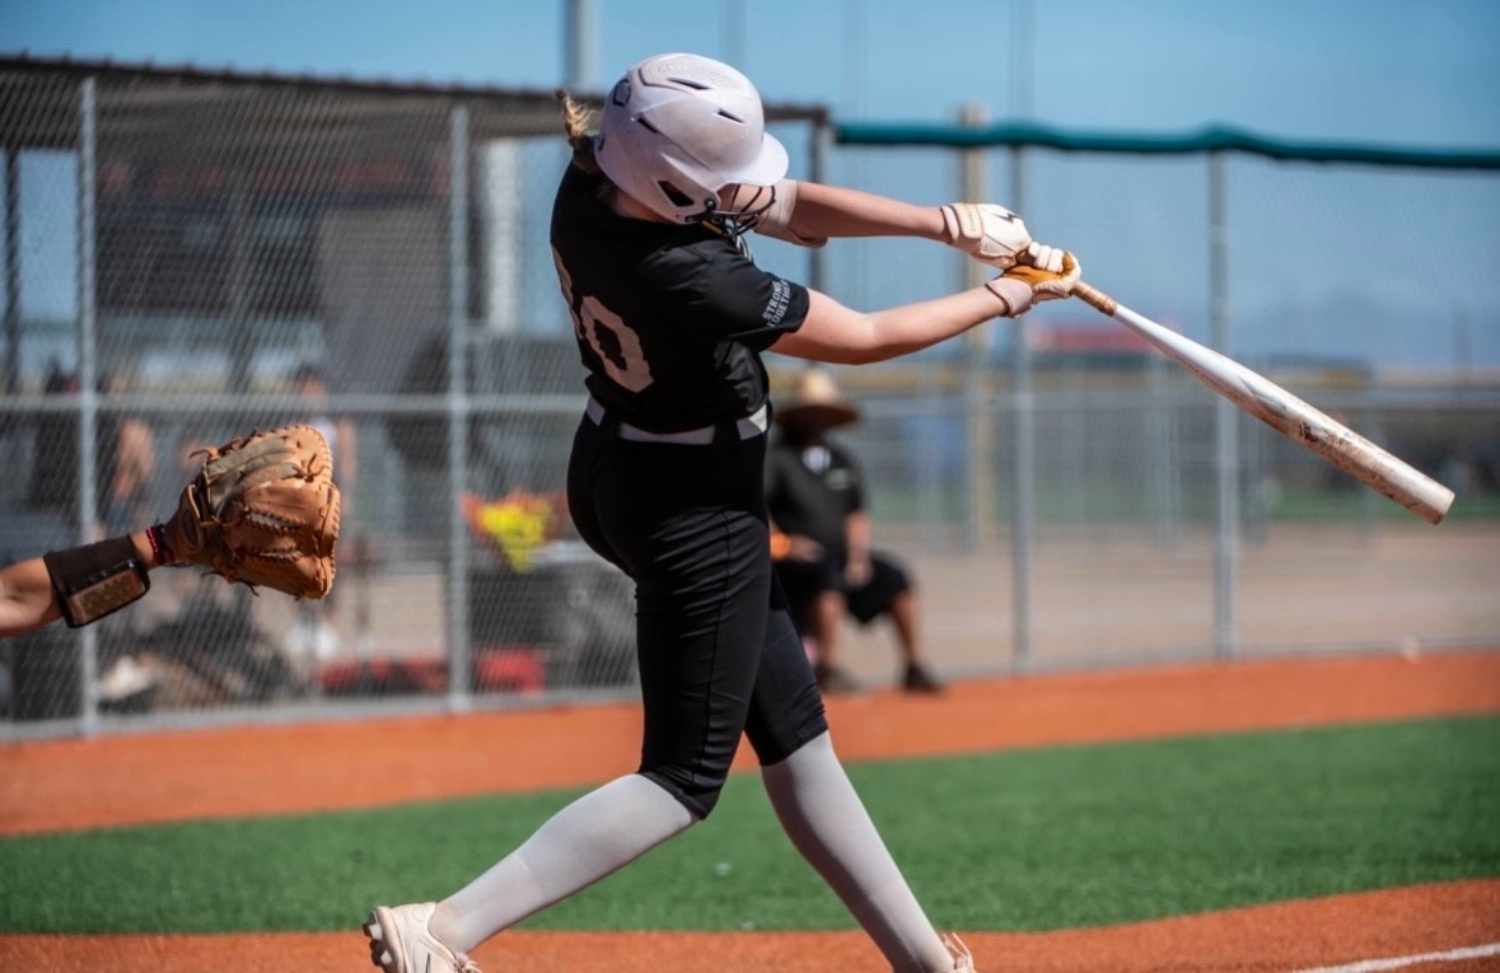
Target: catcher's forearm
[29, 599]
[277, 488]
[26, 601]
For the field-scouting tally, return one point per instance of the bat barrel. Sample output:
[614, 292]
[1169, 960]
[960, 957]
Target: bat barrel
[1284, 412]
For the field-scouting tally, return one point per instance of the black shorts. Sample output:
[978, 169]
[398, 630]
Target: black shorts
[804, 581]
[719, 654]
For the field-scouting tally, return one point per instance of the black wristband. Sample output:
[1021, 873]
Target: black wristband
[94, 580]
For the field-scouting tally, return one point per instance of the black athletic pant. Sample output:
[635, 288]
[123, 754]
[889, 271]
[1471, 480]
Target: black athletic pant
[718, 651]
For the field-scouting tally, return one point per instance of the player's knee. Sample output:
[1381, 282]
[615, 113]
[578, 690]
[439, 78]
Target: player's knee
[694, 790]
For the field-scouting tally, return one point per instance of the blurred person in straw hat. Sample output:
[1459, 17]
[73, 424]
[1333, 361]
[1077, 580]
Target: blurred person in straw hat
[822, 541]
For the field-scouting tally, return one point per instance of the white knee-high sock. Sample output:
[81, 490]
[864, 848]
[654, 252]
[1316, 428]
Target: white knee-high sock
[829, 825]
[597, 834]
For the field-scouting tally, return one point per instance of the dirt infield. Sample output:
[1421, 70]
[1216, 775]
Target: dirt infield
[1278, 938]
[59, 785]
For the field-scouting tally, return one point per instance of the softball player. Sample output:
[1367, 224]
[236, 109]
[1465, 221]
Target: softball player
[666, 481]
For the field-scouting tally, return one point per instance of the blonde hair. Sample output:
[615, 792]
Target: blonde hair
[576, 122]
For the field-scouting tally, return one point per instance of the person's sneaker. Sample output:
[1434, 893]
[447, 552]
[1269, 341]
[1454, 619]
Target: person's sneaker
[400, 942]
[963, 960]
[833, 681]
[918, 680]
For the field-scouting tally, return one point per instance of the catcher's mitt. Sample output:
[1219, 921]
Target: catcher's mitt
[262, 511]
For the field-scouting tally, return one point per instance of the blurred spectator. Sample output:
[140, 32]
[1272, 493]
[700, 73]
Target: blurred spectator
[127, 465]
[53, 488]
[314, 636]
[311, 388]
[124, 463]
[821, 537]
[421, 440]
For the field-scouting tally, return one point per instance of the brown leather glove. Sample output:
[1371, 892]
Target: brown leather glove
[263, 511]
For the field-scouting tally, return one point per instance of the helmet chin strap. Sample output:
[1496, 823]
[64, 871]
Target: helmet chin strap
[737, 223]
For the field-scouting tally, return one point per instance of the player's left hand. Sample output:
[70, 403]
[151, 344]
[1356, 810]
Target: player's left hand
[989, 233]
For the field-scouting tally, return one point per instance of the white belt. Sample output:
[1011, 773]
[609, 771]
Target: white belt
[751, 426]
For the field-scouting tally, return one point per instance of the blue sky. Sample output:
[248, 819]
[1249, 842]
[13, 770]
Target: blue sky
[1401, 71]
[1362, 263]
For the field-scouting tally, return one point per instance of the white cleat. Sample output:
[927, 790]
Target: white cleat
[400, 942]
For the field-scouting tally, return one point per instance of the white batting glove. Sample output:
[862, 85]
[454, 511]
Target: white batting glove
[1042, 257]
[989, 233]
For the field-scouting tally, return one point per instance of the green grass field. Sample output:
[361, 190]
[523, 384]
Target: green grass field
[1029, 840]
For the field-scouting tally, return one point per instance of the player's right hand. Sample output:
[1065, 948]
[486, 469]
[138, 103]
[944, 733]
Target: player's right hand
[1042, 257]
[1048, 284]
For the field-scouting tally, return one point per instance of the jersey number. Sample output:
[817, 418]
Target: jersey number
[617, 346]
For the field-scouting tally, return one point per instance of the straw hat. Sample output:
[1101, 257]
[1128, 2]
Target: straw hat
[816, 401]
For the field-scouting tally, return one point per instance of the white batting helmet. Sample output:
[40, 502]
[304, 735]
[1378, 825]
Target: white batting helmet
[678, 128]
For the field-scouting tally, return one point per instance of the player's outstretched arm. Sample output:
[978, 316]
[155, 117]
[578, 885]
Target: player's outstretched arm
[29, 599]
[809, 213]
[838, 334]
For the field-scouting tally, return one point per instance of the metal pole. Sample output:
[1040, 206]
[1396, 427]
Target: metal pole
[1162, 469]
[1023, 414]
[12, 272]
[1023, 459]
[1023, 54]
[88, 370]
[240, 341]
[1226, 426]
[820, 153]
[1369, 508]
[580, 24]
[458, 411]
[979, 422]
[734, 33]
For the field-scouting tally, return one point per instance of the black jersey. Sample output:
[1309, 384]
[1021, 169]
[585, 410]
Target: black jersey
[811, 490]
[670, 319]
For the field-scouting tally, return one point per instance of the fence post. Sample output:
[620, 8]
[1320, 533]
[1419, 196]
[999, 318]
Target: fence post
[1164, 465]
[819, 155]
[458, 405]
[88, 500]
[979, 422]
[12, 269]
[1226, 424]
[1023, 462]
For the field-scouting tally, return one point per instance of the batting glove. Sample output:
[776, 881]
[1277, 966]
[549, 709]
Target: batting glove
[1021, 286]
[1049, 285]
[994, 235]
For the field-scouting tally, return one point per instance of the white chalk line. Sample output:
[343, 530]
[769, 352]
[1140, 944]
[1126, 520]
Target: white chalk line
[1396, 962]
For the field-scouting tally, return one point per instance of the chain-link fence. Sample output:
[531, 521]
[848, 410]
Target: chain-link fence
[1069, 495]
[190, 255]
